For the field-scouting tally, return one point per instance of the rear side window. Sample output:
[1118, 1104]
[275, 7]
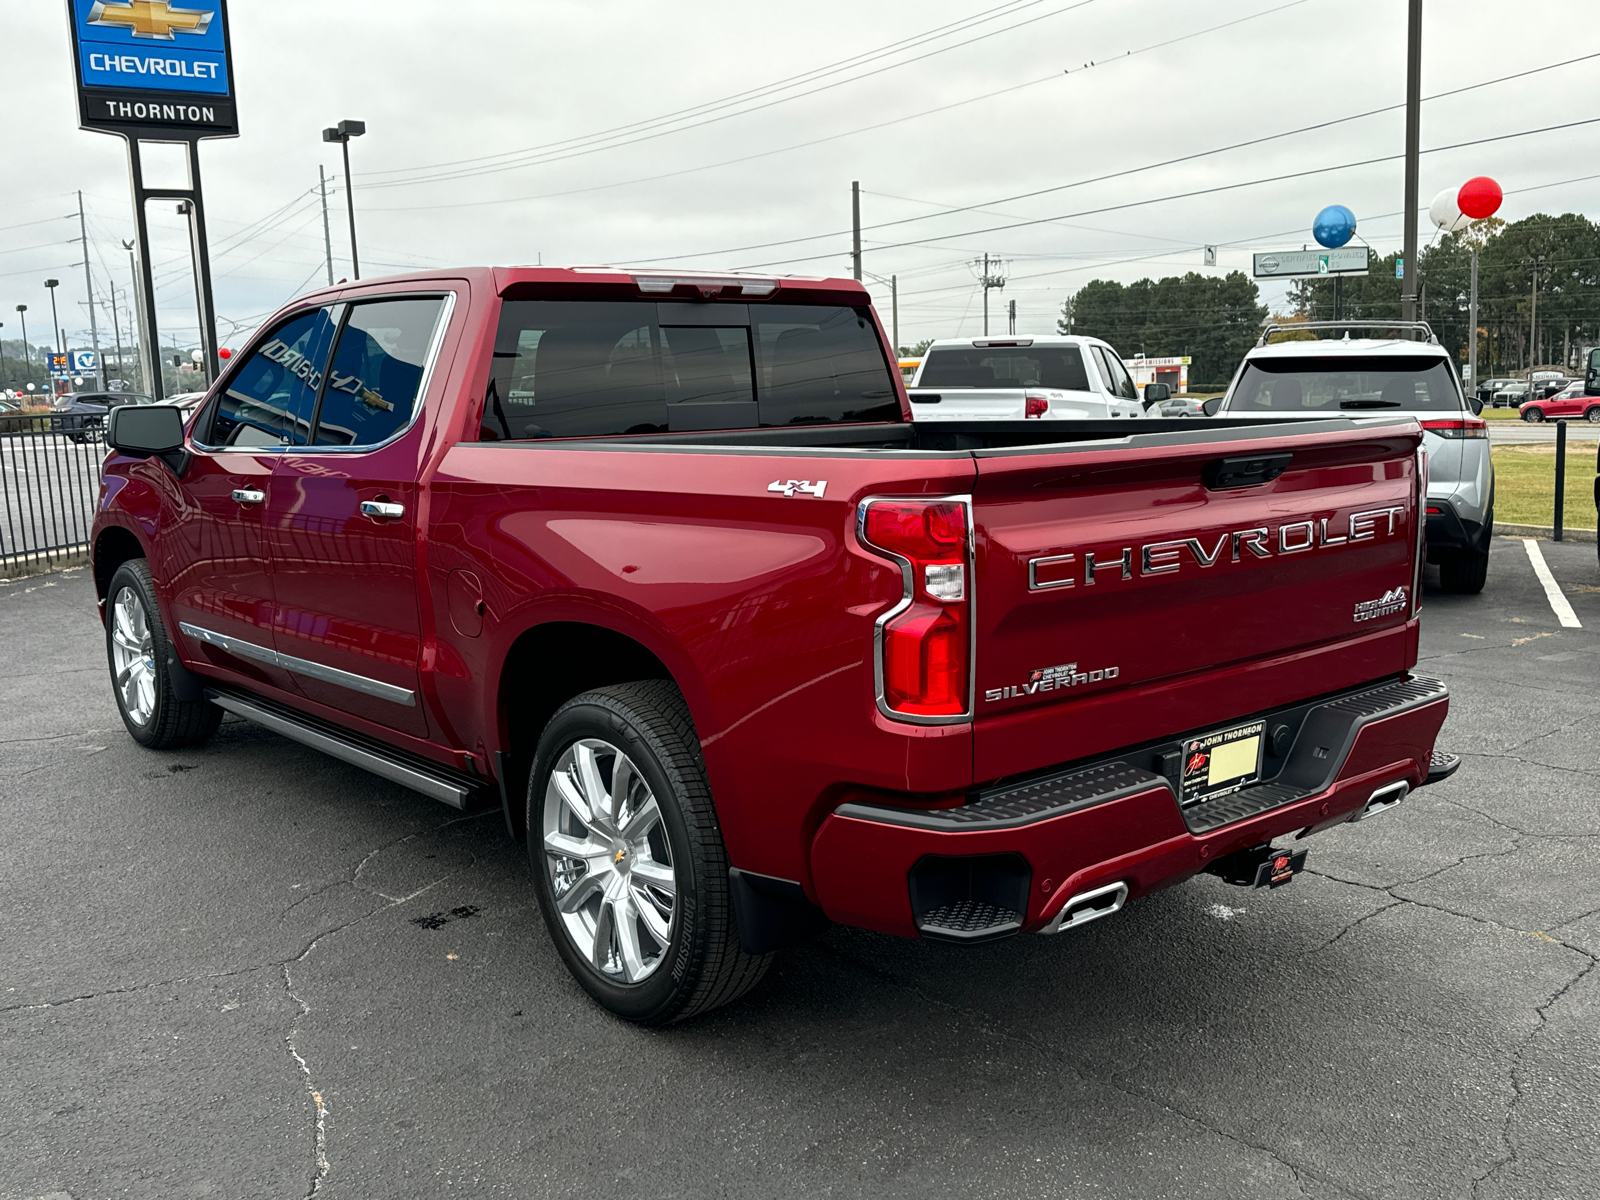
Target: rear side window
[1120, 383]
[1008, 367]
[269, 400]
[1346, 384]
[604, 368]
[377, 371]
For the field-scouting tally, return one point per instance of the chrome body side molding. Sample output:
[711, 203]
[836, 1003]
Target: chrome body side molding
[302, 666]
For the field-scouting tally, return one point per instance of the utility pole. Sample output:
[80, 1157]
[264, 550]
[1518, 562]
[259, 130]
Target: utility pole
[894, 309]
[88, 287]
[1408, 284]
[149, 354]
[990, 282]
[855, 225]
[1472, 324]
[1533, 329]
[327, 237]
[1012, 307]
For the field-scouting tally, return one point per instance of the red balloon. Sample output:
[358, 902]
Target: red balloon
[224, 353]
[1480, 197]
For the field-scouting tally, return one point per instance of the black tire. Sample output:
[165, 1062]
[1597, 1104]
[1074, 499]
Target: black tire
[703, 965]
[1464, 572]
[1532, 415]
[172, 722]
[1592, 415]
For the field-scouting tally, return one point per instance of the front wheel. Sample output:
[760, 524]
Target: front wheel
[143, 667]
[628, 858]
[1532, 415]
[1593, 415]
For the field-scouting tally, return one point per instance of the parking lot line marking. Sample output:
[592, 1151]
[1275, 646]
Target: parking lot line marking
[1552, 590]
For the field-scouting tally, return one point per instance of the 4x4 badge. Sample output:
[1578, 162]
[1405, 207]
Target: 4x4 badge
[803, 486]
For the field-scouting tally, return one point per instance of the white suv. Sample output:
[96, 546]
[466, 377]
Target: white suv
[1022, 378]
[1393, 376]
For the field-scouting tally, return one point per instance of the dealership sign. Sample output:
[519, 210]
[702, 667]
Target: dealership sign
[153, 66]
[1289, 264]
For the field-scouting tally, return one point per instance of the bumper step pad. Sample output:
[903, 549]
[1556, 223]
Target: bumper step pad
[970, 920]
[1442, 766]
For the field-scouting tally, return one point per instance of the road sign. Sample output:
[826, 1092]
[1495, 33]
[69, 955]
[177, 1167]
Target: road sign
[154, 66]
[1290, 264]
[84, 362]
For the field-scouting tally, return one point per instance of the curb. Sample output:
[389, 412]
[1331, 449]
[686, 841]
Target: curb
[43, 562]
[1544, 532]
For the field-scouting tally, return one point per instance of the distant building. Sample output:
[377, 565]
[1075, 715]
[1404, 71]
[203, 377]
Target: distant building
[1174, 372]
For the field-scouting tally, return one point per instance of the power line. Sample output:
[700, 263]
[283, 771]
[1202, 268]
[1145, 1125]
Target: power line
[542, 159]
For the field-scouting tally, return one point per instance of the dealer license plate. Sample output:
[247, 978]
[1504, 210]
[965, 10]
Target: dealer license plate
[1218, 763]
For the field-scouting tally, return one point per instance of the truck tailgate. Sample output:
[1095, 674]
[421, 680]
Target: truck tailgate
[1122, 589]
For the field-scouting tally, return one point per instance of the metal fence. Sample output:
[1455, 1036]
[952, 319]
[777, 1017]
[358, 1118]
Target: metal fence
[49, 488]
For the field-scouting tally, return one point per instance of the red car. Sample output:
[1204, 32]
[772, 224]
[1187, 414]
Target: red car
[659, 564]
[1571, 402]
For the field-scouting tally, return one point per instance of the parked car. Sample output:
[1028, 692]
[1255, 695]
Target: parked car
[1571, 402]
[1026, 378]
[82, 415]
[1182, 406]
[1356, 378]
[661, 562]
[1486, 390]
[1512, 395]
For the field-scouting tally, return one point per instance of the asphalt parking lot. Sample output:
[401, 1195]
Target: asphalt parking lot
[247, 970]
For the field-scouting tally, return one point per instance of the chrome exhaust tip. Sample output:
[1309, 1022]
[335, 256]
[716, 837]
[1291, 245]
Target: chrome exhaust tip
[1384, 799]
[1089, 906]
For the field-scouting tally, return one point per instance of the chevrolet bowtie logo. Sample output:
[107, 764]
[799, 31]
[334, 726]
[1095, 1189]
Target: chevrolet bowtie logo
[155, 19]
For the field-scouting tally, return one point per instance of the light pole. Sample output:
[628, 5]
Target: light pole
[1408, 283]
[342, 133]
[2, 358]
[27, 353]
[55, 321]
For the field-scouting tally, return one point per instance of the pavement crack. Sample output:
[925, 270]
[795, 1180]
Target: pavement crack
[132, 988]
[320, 1154]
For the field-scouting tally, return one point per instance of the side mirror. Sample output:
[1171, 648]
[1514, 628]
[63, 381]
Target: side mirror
[1475, 404]
[145, 432]
[1212, 406]
[1155, 393]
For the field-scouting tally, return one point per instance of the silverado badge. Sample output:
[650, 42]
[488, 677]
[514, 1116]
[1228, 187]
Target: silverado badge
[1050, 679]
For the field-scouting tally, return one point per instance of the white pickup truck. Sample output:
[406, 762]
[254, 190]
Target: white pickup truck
[1024, 378]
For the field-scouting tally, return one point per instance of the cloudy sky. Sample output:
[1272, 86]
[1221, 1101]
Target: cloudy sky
[716, 134]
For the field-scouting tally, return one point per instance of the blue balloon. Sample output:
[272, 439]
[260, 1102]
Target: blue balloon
[1334, 226]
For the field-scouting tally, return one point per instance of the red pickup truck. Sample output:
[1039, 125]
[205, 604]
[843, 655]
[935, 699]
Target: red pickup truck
[661, 563]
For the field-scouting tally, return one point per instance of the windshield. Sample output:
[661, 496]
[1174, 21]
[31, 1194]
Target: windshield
[1011, 367]
[1346, 384]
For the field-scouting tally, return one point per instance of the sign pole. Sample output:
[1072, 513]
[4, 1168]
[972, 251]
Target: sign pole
[149, 344]
[88, 288]
[202, 264]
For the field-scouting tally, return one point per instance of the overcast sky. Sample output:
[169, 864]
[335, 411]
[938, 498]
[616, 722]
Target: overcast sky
[443, 83]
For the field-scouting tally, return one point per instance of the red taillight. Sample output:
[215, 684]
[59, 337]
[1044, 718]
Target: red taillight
[1035, 406]
[1459, 427]
[924, 671]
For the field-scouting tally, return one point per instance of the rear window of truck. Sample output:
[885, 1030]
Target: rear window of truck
[600, 368]
[1010, 367]
[1347, 384]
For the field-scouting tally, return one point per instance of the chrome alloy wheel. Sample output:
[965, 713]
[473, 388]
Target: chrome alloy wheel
[133, 656]
[608, 861]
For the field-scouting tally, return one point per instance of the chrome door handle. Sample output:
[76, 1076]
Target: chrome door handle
[382, 508]
[248, 496]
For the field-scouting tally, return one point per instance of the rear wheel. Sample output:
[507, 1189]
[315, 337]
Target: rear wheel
[142, 667]
[628, 858]
[1532, 415]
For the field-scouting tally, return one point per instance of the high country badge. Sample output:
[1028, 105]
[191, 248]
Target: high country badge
[1386, 605]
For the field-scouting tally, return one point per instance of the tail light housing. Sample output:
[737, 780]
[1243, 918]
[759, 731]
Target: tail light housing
[1459, 427]
[923, 645]
[1034, 405]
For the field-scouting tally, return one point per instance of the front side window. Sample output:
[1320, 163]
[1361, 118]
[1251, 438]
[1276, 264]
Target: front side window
[601, 368]
[269, 400]
[1337, 385]
[376, 373]
[1008, 367]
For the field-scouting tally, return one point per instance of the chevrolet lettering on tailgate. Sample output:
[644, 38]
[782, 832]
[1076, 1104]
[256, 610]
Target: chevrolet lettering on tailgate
[1165, 557]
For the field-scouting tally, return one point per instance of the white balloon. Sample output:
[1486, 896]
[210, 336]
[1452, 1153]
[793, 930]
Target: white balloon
[1446, 214]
